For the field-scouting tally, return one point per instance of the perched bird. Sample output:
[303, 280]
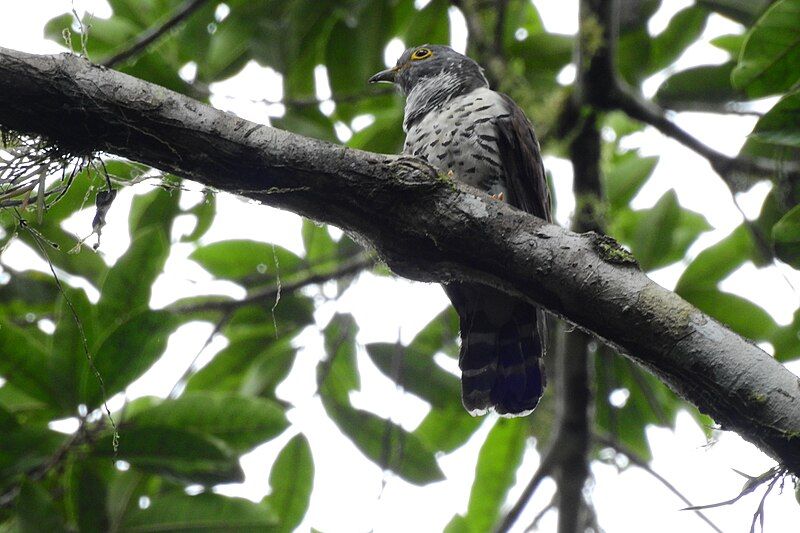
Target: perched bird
[455, 122]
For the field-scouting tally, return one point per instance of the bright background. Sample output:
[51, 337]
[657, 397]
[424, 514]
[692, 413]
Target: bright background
[386, 308]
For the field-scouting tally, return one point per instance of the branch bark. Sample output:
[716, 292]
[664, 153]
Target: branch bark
[424, 225]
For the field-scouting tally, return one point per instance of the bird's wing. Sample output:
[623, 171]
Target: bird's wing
[522, 162]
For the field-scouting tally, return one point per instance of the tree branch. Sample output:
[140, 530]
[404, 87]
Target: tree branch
[153, 34]
[347, 267]
[425, 226]
[633, 457]
[610, 92]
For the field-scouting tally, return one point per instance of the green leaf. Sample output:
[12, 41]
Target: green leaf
[447, 429]
[495, 472]
[660, 235]
[181, 454]
[731, 43]
[319, 245]
[649, 402]
[124, 491]
[204, 212]
[246, 261]
[37, 511]
[786, 236]
[382, 136]
[291, 481]
[26, 447]
[24, 362]
[428, 25]
[68, 362]
[126, 350]
[229, 46]
[337, 375]
[354, 50]
[87, 496]
[439, 335]
[781, 124]
[786, 340]
[768, 64]
[29, 291]
[240, 422]
[157, 208]
[699, 88]
[684, 28]
[626, 175]
[177, 511]
[84, 263]
[716, 262]
[740, 314]
[543, 53]
[742, 11]
[252, 365]
[416, 372]
[385, 443]
[127, 287]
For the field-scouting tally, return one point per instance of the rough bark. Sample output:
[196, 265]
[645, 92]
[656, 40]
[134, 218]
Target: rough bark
[425, 226]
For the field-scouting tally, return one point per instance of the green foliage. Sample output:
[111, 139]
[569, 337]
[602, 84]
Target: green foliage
[291, 481]
[786, 234]
[780, 126]
[660, 235]
[498, 461]
[177, 511]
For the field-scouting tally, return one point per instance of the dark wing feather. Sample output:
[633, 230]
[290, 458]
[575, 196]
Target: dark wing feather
[522, 163]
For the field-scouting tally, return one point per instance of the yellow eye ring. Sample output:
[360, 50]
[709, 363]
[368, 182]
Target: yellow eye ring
[421, 53]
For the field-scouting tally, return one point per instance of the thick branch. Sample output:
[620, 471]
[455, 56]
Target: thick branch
[425, 226]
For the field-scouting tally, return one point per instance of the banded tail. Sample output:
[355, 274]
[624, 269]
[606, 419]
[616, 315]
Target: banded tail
[502, 348]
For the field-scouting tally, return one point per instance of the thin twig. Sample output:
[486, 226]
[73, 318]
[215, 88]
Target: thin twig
[546, 467]
[268, 294]
[752, 484]
[759, 514]
[153, 34]
[636, 460]
[730, 169]
[538, 518]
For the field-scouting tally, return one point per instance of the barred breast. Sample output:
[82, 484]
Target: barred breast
[461, 137]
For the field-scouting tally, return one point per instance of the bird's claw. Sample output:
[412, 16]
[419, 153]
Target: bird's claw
[412, 164]
[499, 196]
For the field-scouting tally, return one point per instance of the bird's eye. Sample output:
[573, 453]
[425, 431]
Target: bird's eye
[422, 53]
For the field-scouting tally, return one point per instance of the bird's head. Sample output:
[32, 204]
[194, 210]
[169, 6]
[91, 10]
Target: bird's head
[431, 61]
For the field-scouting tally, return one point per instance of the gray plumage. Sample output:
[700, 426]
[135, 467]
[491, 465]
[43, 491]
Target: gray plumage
[455, 122]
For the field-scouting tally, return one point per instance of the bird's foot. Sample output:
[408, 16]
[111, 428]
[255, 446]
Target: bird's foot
[499, 196]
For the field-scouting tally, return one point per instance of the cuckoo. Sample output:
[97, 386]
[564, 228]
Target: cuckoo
[455, 122]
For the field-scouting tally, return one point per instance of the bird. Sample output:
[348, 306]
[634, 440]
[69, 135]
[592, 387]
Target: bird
[456, 123]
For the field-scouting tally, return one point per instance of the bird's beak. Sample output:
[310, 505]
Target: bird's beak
[388, 75]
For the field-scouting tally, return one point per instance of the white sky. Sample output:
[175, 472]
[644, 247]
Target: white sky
[347, 492]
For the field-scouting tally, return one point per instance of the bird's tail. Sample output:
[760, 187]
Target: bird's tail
[501, 357]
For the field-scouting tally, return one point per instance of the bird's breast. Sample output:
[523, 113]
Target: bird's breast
[460, 138]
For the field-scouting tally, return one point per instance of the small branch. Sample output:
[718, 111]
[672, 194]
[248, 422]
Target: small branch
[544, 470]
[635, 459]
[759, 514]
[268, 294]
[752, 484]
[156, 32]
[734, 171]
[301, 103]
[538, 518]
